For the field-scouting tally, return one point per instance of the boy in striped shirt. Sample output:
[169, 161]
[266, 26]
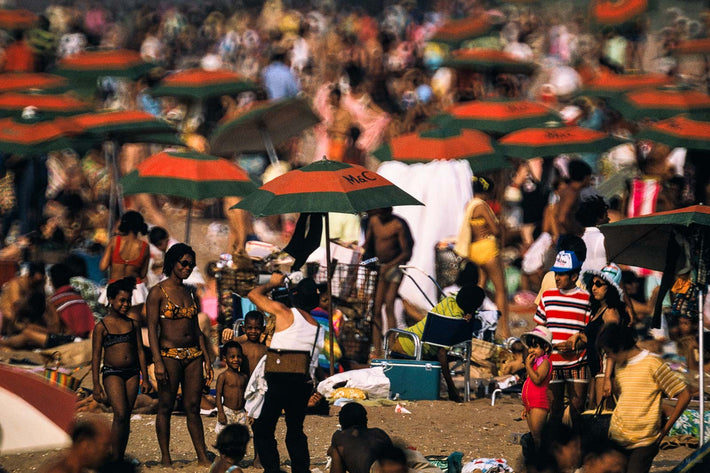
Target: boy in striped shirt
[643, 378]
[566, 312]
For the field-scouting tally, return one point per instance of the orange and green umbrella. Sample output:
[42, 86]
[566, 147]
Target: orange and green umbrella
[13, 103]
[497, 116]
[19, 19]
[487, 60]
[31, 81]
[454, 32]
[692, 46]
[89, 65]
[446, 144]
[680, 132]
[553, 140]
[609, 85]
[616, 12]
[34, 138]
[663, 102]
[127, 126]
[200, 84]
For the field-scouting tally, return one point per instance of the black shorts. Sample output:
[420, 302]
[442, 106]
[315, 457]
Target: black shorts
[56, 339]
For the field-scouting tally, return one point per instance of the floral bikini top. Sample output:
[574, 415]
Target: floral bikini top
[174, 311]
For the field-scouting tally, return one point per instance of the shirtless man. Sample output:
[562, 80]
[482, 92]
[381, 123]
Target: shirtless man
[15, 292]
[389, 239]
[91, 447]
[355, 446]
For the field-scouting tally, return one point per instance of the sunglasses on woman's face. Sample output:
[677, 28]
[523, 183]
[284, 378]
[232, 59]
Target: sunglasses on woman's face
[185, 263]
[598, 283]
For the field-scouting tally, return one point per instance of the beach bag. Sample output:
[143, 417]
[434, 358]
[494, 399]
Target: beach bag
[69, 378]
[482, 351]
[594, 423]
[447, 464]
[290, 361]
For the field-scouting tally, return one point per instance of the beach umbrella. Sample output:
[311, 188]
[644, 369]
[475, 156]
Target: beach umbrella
[127, 126]
[692, 46]
[454, 32]
[19, 19]
[616, 12]
[87, 66]
[36, 414]
[651, 241]
[679, 132]
[488, 60]
[663, 102]
[496, 116]
[321, 187]
[35, 138]
[263, 127]
[553, 140]
[609, 85]
[199, 84]
[32, 81]
[13, 103]
[446, 144]
[188, 174]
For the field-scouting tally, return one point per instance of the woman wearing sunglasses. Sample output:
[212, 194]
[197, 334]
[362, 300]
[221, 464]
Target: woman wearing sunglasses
[608, 306]
[179, 350]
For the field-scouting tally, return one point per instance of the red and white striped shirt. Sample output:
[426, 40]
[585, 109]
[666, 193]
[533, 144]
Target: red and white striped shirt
[564, 313]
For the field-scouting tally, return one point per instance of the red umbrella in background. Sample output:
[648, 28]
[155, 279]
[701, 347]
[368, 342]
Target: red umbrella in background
[13, 103]
[680, 132]
[497, 116]
[454, 32]
[34, 138]
[692, 46]
[663, 102]
[616, 12]
[89, 65]
[201, 84]
[488, 60]
[32, 81]
[35, 415]
[609, 85]
[551, 141]
[127, 126]
[17, 19]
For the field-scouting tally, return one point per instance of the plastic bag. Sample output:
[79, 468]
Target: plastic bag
[371, 380]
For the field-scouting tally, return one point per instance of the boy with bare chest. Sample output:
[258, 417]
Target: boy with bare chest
[389, 239]
[252, 347]
[231, 385]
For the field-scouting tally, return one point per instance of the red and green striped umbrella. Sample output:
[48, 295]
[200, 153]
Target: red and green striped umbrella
[200, 84]
[616, 12]
[17, 19]
[13, 103]
[446, 144]
[664, 102]
[89, 65]
[497, 116]
[550, 141]
[29, 138]
[692, 46]
[30, 81]
[680, 132]
[128, 126]
[608, 85]
[454, 32]
[488, 60]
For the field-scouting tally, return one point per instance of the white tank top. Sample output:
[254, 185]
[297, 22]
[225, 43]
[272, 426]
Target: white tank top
[299, 336]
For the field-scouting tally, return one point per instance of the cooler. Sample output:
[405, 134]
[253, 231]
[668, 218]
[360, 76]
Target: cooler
[413, 380]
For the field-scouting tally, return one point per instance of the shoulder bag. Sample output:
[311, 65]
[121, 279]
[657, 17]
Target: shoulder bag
[280, 360]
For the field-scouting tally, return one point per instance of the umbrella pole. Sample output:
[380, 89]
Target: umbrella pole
[270, 150]
[701, 349]
[187, 225]
[329, 275]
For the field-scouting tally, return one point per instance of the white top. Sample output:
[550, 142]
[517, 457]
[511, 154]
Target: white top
[299, 336]
[596, 252]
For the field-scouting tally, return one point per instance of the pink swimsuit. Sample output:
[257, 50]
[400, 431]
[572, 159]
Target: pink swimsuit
[534, 396]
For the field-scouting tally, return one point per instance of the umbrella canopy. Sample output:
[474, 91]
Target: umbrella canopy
[32, 138]
[454, 32]
[616, 12]
[445, 144]
[680, 132]
[17, 19]
[89, 65]
[608, 85]
[497, 116]
[128, 126]
[692, 46]
[13, 103]
[188, 174]
[664, 102]
[30, 81]
[276, 120]
[200, 84]
[551, 141]
[488, 60]
[36, 415]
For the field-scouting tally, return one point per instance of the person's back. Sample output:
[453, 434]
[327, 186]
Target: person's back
[356, 446]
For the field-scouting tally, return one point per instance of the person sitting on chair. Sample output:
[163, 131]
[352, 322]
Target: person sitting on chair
[462, 305]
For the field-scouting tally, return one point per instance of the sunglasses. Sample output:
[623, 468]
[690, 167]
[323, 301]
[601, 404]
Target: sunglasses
[599, 284]
[185, 263]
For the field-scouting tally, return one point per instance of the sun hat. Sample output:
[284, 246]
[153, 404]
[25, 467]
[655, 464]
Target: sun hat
[611, 274]
[540, 332]
[566, 261]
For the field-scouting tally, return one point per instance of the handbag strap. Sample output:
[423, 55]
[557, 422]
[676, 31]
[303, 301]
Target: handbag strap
[315, 341]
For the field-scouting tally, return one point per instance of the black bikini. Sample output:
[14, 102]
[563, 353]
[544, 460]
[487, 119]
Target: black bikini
[111, 339]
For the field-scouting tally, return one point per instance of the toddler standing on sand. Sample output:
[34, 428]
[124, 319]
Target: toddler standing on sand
[539, 371]
[231, 385]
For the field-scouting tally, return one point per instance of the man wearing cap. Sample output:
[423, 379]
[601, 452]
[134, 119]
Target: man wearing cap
[566, 311]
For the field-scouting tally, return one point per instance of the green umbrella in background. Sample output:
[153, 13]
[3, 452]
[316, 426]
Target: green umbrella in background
[679, 132]
[663, 102]
[87, 66]
[13, 104]
[454, 32]
[199, 84]
[32, 81]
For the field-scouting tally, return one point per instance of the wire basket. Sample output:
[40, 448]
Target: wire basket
[353, 287]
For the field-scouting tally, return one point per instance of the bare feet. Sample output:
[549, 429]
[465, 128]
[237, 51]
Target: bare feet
[166, 461]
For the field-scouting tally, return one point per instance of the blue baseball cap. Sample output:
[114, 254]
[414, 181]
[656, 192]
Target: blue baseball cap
[566, 261]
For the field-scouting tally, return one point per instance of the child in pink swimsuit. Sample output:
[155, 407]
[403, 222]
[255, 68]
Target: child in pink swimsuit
[539, 370]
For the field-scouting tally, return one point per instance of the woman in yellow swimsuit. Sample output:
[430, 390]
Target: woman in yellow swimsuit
[179, 350]
[478, 241]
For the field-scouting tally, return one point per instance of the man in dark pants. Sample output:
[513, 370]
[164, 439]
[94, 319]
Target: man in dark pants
[296, 330]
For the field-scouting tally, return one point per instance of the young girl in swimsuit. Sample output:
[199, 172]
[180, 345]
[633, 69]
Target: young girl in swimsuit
[127, 255]
[119, 339]
[539, 371]
[179, 350]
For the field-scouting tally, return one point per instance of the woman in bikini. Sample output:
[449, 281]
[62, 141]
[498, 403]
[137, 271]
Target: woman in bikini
[127, 255]
[179, 350]
[478, 241]
[118, 338]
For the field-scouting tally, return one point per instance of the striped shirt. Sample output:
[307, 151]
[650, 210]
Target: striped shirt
[73, 310]
[636, 421]
[564, 313]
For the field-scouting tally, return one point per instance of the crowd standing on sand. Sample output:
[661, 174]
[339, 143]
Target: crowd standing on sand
[371, 74]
